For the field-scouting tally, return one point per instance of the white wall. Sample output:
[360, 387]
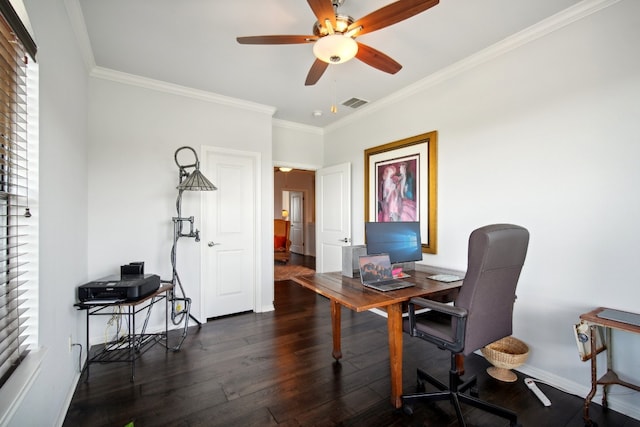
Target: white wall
[134, 133]
[296, 145]
[62, 211]
[546, 136]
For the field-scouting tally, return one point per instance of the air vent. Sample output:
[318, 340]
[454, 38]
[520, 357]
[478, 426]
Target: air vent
[354, 102]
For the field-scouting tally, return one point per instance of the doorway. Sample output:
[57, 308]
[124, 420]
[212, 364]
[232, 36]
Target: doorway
[294, 200]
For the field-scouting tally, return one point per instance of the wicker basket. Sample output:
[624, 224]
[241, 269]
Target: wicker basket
[505, 354]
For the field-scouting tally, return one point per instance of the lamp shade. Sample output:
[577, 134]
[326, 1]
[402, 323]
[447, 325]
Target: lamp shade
[196, 182]
[335, 48]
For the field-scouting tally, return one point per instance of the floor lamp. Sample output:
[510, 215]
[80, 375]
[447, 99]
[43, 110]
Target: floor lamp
[194, 181]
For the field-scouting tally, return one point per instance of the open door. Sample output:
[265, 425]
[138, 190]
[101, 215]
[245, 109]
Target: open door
[333, 213]
[296, 216]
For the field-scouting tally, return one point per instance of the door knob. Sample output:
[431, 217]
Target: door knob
[345, 240]
[212, 244]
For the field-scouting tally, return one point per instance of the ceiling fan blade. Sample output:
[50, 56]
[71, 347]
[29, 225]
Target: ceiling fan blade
[286, 39]
[317, 70]
[377, 59]
[323, 9]
[391, 14]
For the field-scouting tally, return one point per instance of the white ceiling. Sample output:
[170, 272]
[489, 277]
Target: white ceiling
[192, 43]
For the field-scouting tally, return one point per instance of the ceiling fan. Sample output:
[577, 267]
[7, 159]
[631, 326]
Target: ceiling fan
[334, 35]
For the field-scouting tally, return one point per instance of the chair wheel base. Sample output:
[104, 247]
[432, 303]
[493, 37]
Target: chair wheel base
[407, 409]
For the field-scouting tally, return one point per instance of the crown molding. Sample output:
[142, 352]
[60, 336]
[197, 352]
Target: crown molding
[285, 124]
[160, 86]
[534, 32]
[76, 18]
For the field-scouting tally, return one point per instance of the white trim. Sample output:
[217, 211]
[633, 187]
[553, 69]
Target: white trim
[19, 384]
[18, 6]
[76, 18]
[521, 38]
[74, 11]
[303, 166]
[160, 86]
[571, 387]
[285, 124]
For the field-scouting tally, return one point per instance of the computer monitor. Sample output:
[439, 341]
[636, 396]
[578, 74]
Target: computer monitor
[401, 240]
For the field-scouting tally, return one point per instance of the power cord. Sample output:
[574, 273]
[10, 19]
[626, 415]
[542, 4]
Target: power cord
[114, 320]
[79, 356]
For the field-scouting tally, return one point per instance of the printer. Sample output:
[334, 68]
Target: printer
[123, 287]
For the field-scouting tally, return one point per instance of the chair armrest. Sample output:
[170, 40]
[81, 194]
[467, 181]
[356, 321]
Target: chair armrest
[456, 343]
[451, 310]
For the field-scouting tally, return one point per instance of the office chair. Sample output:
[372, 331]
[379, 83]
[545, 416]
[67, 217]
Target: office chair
[481, 314]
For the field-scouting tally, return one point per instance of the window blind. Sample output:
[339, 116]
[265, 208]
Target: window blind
[14, 210]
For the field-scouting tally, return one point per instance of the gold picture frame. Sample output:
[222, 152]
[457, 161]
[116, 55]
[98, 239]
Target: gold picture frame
[400, 184]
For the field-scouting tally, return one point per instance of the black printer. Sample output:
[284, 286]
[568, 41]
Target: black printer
[124, 287]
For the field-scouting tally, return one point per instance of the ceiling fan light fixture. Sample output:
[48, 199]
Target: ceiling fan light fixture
[335, 49]
[342, 23]
[354, 31]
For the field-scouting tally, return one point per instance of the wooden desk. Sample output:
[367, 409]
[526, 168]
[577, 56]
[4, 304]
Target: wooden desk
[348, 292]
[610, 377]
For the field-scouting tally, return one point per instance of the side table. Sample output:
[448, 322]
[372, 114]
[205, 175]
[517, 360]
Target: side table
[610, 377]
[131, 346]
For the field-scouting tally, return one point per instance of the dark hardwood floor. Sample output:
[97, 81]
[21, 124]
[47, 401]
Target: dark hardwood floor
[276, 368]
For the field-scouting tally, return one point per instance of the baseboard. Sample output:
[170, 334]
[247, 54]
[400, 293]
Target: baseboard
[571, 387]
[68, 399]
[266, 308]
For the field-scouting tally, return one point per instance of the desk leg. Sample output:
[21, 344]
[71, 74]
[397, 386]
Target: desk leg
[610, 374]
[394, 326]
[166, 320]
[86, 378]
[594, 377]
[132, 337]
[335, 328]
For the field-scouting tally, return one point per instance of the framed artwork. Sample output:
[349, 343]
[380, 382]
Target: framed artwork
[400, 184]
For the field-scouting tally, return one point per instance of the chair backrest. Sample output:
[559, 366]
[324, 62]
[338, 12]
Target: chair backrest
[281, 228]
[496, 255]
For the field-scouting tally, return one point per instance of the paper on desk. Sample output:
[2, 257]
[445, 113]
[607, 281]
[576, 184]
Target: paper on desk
[102, 301]
[447, 278]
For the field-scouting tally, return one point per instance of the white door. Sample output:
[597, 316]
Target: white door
[228, 233]
[296, 216]
[333, 214]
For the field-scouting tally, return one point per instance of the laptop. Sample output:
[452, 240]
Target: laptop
[375, 273]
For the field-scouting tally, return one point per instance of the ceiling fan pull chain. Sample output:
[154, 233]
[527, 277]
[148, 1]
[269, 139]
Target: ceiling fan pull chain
[334, 105]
